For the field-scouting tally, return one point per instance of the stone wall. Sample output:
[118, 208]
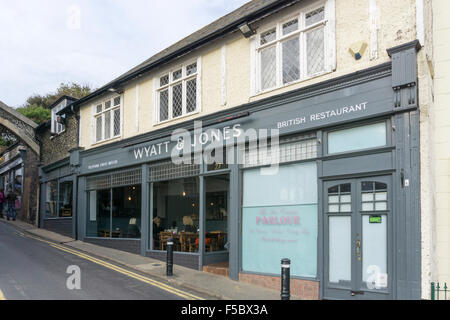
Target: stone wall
[57, 147]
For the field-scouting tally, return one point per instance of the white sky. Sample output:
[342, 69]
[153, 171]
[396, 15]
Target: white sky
[44, 43]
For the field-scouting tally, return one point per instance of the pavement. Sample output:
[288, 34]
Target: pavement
[210, 285]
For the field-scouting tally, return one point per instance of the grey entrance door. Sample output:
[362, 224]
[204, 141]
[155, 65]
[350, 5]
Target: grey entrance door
[357, 219]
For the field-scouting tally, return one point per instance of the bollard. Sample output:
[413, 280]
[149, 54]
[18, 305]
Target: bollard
[285, 279]
[169, 267]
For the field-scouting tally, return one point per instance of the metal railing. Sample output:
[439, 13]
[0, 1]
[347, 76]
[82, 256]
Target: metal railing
[439, 292]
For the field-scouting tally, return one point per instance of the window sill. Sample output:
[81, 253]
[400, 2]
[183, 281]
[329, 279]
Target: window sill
[54, 135]
[108, 140]
[178, 118]
[287, 85]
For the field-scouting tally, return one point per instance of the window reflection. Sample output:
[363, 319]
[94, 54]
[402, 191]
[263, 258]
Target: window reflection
[176, 214]
[216, 208]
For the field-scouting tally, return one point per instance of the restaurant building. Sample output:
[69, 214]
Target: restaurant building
[322, 161]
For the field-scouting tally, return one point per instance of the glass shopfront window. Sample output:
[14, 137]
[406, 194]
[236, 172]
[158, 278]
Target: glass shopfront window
[115, 213]
[280, 220]
[51, 198]
[359, 138]
[65, 198]
[216, 209]
[176, 214]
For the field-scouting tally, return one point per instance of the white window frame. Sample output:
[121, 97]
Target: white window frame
[183, 80]
[102, 114]
[329, 46]
[57, 128]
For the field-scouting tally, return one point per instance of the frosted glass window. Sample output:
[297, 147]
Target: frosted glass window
[333, 208]
[380, 206]
[367, 197]
[333, 199]
[280, 219]
[367, 206]
[374, 253]
[346, 198]
[364, 137]
[340, 250]
[346, 207]
[380, 196]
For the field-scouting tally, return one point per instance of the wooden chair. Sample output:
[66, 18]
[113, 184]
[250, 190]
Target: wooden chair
[163, 237]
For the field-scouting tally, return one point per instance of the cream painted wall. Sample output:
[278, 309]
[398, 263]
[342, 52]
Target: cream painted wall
[352, 24]
[440, 132]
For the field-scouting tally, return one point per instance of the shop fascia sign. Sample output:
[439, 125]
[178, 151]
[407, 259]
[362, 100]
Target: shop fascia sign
[183, 139]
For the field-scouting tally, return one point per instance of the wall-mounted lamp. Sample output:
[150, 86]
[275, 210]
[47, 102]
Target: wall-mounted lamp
[246, 30]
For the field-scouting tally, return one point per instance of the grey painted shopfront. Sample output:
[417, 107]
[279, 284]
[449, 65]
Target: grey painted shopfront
[347, 186]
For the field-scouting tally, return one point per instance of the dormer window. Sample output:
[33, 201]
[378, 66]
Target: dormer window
[57, 127]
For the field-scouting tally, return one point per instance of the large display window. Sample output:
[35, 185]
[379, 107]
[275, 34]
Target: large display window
[115, 213]
[176, 214]
[280, 220]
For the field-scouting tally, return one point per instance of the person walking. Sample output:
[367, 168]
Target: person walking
[2, 201]
[11, 201]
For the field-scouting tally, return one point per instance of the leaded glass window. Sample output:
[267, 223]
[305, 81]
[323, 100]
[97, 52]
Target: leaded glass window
[177, 93]
[293, 50]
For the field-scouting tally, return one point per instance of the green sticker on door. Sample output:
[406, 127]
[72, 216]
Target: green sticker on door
[375, 219]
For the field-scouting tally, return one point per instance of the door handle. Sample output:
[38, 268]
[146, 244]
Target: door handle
[358, 249]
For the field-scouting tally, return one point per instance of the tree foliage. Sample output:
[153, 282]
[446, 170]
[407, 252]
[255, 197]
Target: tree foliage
[37, 107]
[37, 113]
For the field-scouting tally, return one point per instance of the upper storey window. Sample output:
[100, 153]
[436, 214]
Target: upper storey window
[57, 127]
[294, 49]
[107, 119]
[178, 92]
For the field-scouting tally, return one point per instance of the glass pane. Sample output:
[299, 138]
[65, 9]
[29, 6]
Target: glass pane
[99, 222]
[191, 95]
[51, 198]
[381, 206]
[164, 105]
[268, 36]
[176, 210]
[280, 219]
[367, 197]
[293, 184]
[116, 122]
[346, 198]
[367, 186]
[164, 80]
[98, 127]
[191, 69]
[99, 108]
[315, 47]
[334, 189]
[380, 196]
[65, 199]
[216, 210]
[333, 208]
[290, 26]
[268, 68]
[107, 105]
[333, 199]
[358, 138]
[346, 207]
[116, 101]
[345, 188]
[367, 206]
[374, 253]
[314, 16]
[177, 75]
[339, 250]
[107, 125]
[291, 60]
[126, 212]
[177, 100]
[380, 186]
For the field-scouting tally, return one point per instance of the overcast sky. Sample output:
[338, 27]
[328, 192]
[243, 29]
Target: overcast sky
[46, 42]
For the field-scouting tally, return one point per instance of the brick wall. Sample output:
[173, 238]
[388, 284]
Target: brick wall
[303, 289]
